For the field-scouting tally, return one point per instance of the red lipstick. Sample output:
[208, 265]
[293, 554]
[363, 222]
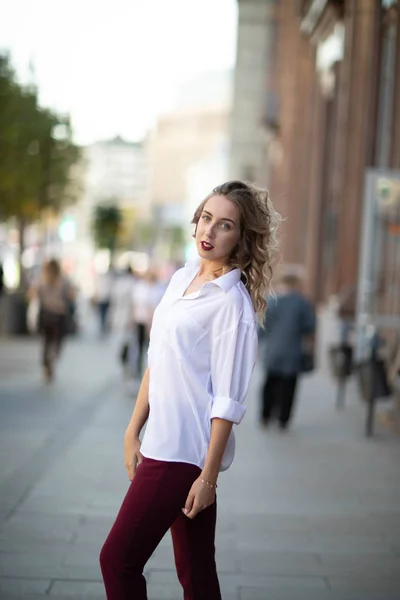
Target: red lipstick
[206, 246]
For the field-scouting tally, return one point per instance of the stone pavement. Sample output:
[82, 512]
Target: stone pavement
[311, 514]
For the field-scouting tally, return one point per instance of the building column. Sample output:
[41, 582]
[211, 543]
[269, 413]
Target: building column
[286, 191]
[315, 174]
[362, 22]
[249, 135]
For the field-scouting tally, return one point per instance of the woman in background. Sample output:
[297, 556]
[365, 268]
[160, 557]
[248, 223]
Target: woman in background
[55, 295]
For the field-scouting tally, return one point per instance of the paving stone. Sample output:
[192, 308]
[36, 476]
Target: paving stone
[381, 585]
[162, 559]
[22, 587]
[11, 546]
[39, 527]
[164, 591]
[279, 563]
[80, 557]
[56, 504]
[353, 564]
[31, 564]
[72, 589]
[228, 583]
[276, 581]
[94, 530]
[161, 576]
[250, 524]
[86, 571]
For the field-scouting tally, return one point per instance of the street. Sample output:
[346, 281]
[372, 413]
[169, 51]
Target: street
[308, 514]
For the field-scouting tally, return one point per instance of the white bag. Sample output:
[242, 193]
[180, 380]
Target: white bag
[32, 315]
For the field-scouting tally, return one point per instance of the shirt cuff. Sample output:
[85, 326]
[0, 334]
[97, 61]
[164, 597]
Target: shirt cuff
[226, 408]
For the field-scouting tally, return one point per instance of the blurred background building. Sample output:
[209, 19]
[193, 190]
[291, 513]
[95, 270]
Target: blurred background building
[112, 172]
[189, 149]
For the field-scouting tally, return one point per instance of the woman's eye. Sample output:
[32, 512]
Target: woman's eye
[225, 226]
[205, 218]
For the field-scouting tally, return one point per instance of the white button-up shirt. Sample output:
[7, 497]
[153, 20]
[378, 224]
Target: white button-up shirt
[202, 352]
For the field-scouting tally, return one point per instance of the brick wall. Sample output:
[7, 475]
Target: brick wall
[326, 141]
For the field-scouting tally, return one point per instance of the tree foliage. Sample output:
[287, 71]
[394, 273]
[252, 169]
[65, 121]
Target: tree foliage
[36, 152]
[106, 225]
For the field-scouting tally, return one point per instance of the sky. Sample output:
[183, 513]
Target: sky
[113, 65]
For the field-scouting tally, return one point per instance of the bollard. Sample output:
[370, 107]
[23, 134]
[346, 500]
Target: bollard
[374, 382]
[342, 367]
[371, 397]
[369, 425]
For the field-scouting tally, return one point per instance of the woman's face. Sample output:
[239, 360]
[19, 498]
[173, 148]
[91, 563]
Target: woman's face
[218, 229]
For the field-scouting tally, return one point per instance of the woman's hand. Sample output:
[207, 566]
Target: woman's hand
[133, 457]
[201, 496]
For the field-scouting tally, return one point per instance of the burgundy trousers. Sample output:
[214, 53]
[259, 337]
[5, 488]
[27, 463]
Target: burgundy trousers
[152, 505]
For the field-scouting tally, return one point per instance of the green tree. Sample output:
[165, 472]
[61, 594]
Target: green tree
[36, 153]
[106, 225]
[144, 236]
[177, 242]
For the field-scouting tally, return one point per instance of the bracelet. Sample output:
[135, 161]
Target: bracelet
[211, 485]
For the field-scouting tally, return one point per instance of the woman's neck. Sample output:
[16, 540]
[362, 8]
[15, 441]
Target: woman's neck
[210, 269]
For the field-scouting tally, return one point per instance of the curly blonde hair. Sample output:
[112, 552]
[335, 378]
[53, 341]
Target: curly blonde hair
[256, 252]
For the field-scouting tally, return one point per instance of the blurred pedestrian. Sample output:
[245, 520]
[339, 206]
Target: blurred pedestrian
[55, 295]
[121, 302]
[289, 349]
[144, 301]
[102, 297]
[146, 295]
[121, 315]
[203, 347]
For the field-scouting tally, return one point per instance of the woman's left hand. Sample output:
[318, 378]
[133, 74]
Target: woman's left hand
[201, 496]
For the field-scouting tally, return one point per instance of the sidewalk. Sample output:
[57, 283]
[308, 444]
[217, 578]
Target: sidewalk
[311, 514]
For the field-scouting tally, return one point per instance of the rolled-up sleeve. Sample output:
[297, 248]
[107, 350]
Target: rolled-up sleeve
[233, 358]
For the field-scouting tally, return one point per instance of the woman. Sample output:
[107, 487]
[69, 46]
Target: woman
[203, 346]
[55, 295]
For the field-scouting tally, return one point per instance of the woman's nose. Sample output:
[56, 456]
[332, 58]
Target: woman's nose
[210, 231]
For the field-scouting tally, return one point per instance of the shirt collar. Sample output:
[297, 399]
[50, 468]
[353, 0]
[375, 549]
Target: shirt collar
[225, 282]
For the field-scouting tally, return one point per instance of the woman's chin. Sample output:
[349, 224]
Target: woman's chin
[205, 253]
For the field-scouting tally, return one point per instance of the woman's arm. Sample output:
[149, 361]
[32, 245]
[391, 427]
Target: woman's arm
[202, 492]
[220, 430]
[232, 361]
[139, 417]
[141, 411]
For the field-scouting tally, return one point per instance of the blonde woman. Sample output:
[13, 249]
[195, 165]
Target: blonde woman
[203, 347]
